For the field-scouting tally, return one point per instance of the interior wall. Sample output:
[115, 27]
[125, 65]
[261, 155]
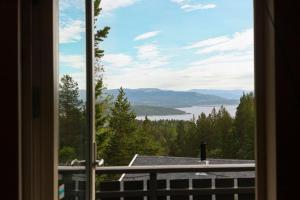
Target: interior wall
[10, 102]
[287, 48]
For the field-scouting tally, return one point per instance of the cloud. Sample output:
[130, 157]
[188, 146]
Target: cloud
[67, 4]
[70, 31]
[149, 56]
[110, 5]
[239, 41]
[72, 61]
[146, 57]
[147, 52]
[188, 6]
[117, 60]
[224, 58]
[233, 75]
[75, 66]
[215, 72]
[230, 65]
[146, 35]
[192, 7]
[208, 42]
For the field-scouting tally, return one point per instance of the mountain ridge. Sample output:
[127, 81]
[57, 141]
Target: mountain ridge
[171, 98]
[176, 99]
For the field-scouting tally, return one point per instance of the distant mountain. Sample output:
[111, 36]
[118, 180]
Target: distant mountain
[171, 99]
[142, 110]
[227, 94]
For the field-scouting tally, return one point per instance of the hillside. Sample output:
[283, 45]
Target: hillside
[227, 94]
[142, 110]
[171, 99]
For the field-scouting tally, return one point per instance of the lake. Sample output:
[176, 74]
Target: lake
[194, 110]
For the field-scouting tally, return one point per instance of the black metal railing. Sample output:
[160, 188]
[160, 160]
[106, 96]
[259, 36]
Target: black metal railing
[152, 188]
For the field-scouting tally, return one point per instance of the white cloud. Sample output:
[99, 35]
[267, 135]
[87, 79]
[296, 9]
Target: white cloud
[146, 35]
[117, 60]
[208, 42]
[109, 5]
[72, 61]
[229, 66]
[188, 6]
[147, 52]
[192, 7]
[70, 31]
[75, 66]
[239, 41]
[178, 1]
[211, 73]
[149, 56]
[146, 57]
[71, 4]
[225, 58]
[214, 75]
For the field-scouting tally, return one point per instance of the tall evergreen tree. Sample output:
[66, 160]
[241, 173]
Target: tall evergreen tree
[72, 124]
[103, 101]
[225, 137]
[245, 127]
[123, 125]
[102, 113]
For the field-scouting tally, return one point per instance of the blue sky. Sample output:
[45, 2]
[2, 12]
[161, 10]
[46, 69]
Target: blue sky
[167, 44]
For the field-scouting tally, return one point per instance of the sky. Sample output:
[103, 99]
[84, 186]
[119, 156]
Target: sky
[166, 44]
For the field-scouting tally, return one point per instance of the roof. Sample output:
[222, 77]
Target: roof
[140, 160]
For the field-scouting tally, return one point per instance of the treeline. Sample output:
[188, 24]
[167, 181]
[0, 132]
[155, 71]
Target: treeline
[120, 136]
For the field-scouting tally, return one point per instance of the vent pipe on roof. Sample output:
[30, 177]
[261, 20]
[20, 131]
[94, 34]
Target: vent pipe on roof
[203, 151]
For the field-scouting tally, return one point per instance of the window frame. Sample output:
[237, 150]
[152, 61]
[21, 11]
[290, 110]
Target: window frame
[39, 138]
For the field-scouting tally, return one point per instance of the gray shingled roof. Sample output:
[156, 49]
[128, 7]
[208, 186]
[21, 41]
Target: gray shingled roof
[141, 160]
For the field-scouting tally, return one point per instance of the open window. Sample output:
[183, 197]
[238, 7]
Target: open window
[165, 92]
[84, 157]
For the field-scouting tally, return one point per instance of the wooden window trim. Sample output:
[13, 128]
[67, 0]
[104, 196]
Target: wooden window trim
[265, 100]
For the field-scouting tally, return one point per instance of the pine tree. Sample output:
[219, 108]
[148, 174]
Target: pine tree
[102, 115]
[100, 35]
[102, 100]
[123, 125]
[245, 127]
[224, 128]
[72, 126]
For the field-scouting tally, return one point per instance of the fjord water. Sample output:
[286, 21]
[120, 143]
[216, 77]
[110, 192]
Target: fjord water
[191, 111]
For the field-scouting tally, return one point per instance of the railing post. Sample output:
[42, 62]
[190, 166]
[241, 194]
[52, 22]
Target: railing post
[153, 186]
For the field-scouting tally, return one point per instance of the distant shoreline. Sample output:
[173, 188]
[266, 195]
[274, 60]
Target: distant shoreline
[143, 110]
[190, 112]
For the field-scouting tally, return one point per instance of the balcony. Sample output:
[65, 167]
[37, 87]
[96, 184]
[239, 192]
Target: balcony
[153, 187]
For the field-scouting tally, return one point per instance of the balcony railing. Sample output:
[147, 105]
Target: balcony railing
[152, 188]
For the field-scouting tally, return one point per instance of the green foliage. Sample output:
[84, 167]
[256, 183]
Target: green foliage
[100, 35]
[66, 154]
[120, 136]
[245, 127]
[123, 126]
[102, 114]
[103, 102]
[72, 120]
